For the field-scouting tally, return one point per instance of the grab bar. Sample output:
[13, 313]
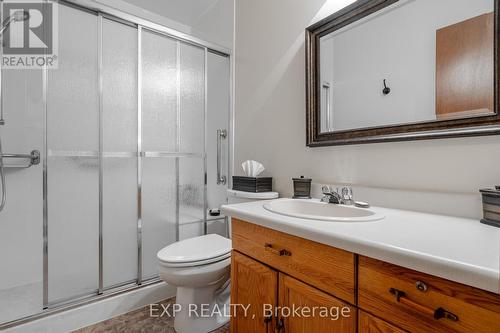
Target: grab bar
[221, 134]
[33, 157]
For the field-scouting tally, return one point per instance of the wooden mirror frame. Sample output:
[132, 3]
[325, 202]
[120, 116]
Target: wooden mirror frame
[465, 127]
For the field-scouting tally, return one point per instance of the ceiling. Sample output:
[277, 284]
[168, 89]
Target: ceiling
[187, 12]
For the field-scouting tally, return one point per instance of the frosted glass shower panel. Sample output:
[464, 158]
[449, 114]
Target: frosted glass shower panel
[191, 197]
[73, 99]
[159, 92]
[218, 101]
[73, 227]
[119, 220]
[159, 198]
[192, 99]
[72, 165]
[119, 71]
[21, 220]
[119, 127]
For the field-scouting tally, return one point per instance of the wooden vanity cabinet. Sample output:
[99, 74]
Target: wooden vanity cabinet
[326, 268]
[264, 288]
[271, 267]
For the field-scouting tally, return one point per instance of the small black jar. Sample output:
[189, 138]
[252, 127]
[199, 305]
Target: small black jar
[302, 188]
[491, 206]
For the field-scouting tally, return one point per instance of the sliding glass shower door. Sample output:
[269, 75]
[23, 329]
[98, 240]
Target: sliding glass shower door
[119, 133]
[173, 146]
[72, 161]
[127, 126]
[91, 197]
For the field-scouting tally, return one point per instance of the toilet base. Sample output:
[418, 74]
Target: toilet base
[203, 309]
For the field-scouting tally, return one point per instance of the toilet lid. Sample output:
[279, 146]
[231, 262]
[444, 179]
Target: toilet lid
[196, 249]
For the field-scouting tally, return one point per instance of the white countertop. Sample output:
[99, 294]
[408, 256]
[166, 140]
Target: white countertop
[457, 249]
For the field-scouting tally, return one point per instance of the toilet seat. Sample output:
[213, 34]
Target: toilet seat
[195, 263]
[196, 251]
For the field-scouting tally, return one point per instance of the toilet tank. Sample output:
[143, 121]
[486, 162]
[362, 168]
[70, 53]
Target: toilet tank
[234, 197]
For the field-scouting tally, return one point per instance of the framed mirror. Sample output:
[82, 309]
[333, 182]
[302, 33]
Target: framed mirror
[394, 70]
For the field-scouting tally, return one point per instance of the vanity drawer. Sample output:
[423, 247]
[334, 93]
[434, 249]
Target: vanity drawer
[370, 324]
[422, 297]
[326, 268]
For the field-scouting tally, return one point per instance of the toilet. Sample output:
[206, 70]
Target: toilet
[200, 268]
[235, 197]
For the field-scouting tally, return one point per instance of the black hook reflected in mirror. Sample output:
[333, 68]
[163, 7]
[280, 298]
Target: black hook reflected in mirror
[386, 90]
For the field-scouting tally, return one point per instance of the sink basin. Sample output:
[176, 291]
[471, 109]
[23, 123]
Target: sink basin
[316, 210]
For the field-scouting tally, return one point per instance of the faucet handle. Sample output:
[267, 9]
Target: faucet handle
[346, 191]
[326, 189]
[347, 194]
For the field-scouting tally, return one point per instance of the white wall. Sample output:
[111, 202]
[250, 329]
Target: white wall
[397, 44]
[270, 120]
[216, 24]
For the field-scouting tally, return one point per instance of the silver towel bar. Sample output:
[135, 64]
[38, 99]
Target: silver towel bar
[33, 157]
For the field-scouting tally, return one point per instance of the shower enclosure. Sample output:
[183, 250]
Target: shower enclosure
[133, 155]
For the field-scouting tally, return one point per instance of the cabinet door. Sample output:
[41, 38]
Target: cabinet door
[316, 311]
[370, 324]
[256, 285]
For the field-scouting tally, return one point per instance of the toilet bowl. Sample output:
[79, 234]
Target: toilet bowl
[199, 267]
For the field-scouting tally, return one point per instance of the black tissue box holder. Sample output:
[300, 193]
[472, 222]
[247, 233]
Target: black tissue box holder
[253, 184]
[491, 206]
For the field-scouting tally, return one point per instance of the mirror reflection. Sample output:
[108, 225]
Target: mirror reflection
[414, 61]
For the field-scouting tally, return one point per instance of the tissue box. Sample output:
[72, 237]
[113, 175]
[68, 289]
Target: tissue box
[253, 184]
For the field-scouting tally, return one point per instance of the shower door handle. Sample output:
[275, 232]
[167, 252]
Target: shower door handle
[221, 134]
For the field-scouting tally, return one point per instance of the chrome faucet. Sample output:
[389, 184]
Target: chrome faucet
[331, 196]
[342, 197]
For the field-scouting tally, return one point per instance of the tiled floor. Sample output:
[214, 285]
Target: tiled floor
[138, 321]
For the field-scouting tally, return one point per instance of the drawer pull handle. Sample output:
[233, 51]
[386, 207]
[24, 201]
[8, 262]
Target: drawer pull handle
[278, 252]
[442, 313]
[267, 321]
[436, 314]
[422, 286]
[280, 325]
